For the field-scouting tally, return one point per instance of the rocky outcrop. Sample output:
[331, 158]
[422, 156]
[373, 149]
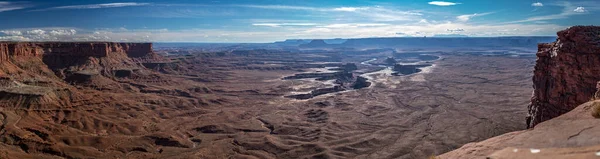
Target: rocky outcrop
[361, 82]
[344, 76]
[390, 61]
[565, 73]
[408, 69]
[317, 92]
[315, 43]
[14, 94]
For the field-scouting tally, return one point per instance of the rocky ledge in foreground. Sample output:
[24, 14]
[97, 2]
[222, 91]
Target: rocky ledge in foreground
[571, 133]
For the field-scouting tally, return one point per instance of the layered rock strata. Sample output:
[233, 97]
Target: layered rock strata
[565, 73]
[95, 49]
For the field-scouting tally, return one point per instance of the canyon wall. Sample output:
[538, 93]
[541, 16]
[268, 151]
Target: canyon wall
[566, 73]
[95, 49]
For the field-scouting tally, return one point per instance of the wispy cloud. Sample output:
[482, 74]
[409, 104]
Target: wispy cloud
[283, 24]
[374, 13]
[455, 30]
[567, 11]
[378, 14]
[467, 17]
[537, 4]
[9, 6]
[279, 7]
[97, 6]
[443, 3]
[349, 9]
[354, 25]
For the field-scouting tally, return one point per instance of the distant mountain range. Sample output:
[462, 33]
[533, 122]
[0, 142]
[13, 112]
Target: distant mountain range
[305, 41]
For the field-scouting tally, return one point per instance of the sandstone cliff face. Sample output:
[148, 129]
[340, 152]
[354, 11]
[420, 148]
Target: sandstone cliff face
[32, 70]
[95, 49]
[566, 72]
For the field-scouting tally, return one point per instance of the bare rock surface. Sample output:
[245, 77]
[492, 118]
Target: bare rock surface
[548, 153]
[572, 130]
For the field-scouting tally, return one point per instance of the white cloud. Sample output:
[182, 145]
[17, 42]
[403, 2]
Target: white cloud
[580, 10]
[279, 7]
[11, 32]
[464, 18]
[349, 9]
[467, 17]
[39, 34]
[443, 3]
[63, 32]
[381, 14]
[456, 30]
[36, 32]
[374, 13]
[537, 4]
[354, 25]
[97, 6]
[9, 6]
[14, 38]
[567, 11]
[283, 24]
[371, 24]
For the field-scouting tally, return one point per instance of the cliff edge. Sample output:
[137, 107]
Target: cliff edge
[565, 73]
[37, 75]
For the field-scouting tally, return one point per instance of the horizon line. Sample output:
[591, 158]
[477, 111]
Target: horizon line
[203, 42]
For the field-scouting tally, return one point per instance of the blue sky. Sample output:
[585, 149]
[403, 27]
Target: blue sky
[275, 20]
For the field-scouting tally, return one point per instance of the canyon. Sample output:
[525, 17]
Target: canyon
[354, 98]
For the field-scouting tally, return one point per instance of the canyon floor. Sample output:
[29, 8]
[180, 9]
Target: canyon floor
[237, 105]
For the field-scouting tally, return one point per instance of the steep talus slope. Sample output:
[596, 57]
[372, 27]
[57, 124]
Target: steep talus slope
[566, 72]
[565, 77]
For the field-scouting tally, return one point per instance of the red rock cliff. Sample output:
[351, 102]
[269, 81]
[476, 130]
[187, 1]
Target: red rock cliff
[566, 72]
[96, 49]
